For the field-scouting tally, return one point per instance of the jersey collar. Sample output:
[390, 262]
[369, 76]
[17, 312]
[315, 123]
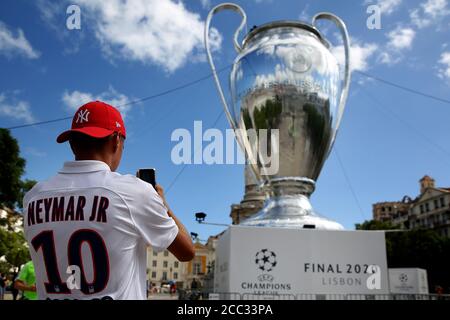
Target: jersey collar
[84, 166]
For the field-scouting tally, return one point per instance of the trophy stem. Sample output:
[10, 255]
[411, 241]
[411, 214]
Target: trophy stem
[292, 186]
[290, 207]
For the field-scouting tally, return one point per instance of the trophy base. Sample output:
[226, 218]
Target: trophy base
[290, 211]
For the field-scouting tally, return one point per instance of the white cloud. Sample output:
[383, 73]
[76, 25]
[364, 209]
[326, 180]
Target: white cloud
[360, 54]
[388, 58]
[75, 99]
[206, 4]
[53, 13]
[161, 32]
[399, 40]
[387, 7]
[16, 109]
[304, 15]
[430, 12]
[11, 44]
[435, 8]
[50, 12]
[418, 19]
[444, 66]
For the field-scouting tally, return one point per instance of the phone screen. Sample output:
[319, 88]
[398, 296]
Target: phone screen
[148, 175]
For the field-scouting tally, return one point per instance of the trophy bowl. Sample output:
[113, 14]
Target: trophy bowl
[287, 90]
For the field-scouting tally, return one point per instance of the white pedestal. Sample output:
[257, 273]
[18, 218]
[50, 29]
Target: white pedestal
[408, 281]
[279, 261]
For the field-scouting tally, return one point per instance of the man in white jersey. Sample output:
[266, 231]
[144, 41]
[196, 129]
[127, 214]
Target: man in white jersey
[88, 227]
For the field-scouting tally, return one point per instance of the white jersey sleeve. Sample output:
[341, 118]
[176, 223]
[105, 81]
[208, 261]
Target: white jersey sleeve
[150, 217]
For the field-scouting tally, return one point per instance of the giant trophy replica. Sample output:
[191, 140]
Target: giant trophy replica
[287, 88]
[285, 78]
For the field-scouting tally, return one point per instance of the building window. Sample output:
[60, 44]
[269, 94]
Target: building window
[154, 263]
[164, 277]
[427, 207]
[175, 264]
[153, 274]
[197, 265]
[442, 202]
[175, 275]
[155, 254]
[197, 268]
[421, 208]
[166, 253]
[164, 264]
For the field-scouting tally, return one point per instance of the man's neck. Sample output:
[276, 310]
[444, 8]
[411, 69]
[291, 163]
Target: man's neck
[96, 157]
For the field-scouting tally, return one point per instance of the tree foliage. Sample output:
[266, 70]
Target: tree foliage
[417, 248]
[12, 167]
[13, 246]
[375, 225]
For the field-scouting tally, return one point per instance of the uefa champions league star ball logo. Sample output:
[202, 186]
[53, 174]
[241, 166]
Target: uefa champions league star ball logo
[266, 260]
[403, 277]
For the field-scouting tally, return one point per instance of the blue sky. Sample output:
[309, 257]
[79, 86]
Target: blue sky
[128, 50]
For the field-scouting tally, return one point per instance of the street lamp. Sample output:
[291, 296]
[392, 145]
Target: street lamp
[194, 235]
[200, 217]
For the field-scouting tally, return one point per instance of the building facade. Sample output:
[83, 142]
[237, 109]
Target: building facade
[163, 267]
[429, 210]
[395, 212]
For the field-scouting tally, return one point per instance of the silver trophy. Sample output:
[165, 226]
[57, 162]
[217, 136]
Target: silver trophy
[286, 80]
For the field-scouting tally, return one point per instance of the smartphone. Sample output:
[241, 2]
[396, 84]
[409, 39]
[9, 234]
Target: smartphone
[148, 175]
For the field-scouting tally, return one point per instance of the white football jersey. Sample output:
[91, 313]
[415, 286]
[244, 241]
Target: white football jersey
[88, 229]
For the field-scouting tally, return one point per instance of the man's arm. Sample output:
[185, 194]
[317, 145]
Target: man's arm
[20, 285]
[182, 247]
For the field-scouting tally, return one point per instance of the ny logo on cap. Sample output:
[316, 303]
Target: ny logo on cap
[83, 116]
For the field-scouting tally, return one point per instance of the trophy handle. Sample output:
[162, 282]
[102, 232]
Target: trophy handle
[347, 73]
[237, 46]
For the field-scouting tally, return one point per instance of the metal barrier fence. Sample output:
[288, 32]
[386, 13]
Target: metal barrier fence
[251, 296]
[201, 295]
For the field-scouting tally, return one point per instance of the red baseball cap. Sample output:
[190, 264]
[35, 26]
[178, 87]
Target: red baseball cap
[96, 119]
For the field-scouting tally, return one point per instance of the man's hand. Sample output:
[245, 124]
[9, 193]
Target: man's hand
[160, 191]
[182, 247]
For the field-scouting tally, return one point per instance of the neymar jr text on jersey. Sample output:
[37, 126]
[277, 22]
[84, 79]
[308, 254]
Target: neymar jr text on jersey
[69, 208]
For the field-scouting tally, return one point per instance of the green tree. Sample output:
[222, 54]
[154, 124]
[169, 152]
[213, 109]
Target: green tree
[416, 248]
[13, 245]
[12, 167]
[421, 249]
[375, 225]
